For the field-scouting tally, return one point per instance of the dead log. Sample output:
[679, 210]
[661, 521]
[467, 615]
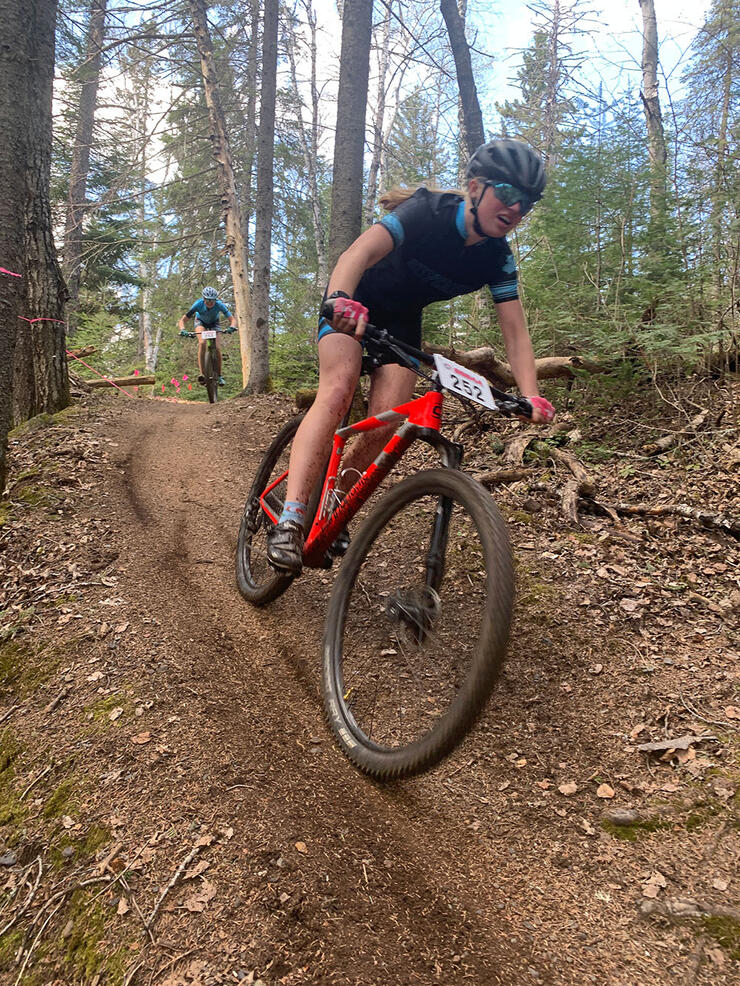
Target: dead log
[717, 522]
[668, 441]
[485, 362]
[499, 476]
[138, 381]
[584, 485]
[85, 351]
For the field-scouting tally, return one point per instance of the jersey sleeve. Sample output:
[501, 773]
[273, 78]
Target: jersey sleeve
[504, 284]
[409, 219]
[192, 311]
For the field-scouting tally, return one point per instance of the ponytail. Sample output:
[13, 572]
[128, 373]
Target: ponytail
[391, 199]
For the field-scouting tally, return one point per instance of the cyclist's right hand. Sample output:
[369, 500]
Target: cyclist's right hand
[346, 315]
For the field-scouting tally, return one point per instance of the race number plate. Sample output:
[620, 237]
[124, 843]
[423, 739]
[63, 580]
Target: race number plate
[464, 382]
[208, 334]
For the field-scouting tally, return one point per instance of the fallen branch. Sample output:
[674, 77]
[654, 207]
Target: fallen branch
[668, 441]
[681, 910]
[500, 476]
[137, 381]
[485, 361]
[177, 874]
[717, 522]
[85, 351]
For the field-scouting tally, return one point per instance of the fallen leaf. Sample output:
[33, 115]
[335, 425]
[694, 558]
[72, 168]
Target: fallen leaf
[123, 906]
[720, 884]
[198, 901]
[301, 847]
[502, 787]
[196, 870]
[604, 791]
[115, 713]
[628, 605]
[651, 891]
[732, 712]
[545, 785]
[141, 738]
[567, 789]
[679, 743]
[596, 669]
[587, 827]
[67, 822]
[204, 840]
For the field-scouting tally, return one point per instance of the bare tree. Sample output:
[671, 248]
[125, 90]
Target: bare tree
[259, 367]
[235, 244]
[349, 144]
[474, 134]
[309, 139]
[89, 76]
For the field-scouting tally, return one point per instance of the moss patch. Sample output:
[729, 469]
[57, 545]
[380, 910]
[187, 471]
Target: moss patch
[61, 800]
[635, 830]
[12, 810]
[725, 931]
[23, 669]
[86, 950]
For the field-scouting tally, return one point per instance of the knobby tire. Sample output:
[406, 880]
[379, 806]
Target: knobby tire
[399, 698]
[211, 376]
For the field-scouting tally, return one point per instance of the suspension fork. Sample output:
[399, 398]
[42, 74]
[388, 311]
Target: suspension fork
[451, 454]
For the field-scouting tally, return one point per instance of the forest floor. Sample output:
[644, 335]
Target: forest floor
[173, 810]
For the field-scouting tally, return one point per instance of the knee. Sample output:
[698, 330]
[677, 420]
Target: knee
[337, 397]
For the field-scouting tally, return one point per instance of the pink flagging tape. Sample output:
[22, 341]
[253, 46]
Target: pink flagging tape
[31, 321]
[96, 372]
[10, 273]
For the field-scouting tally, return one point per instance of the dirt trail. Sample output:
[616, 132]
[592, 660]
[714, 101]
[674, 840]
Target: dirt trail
[488, 870]
[397, 866]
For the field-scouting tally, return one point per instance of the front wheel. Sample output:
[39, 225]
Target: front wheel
[418, 624]
[209, 372]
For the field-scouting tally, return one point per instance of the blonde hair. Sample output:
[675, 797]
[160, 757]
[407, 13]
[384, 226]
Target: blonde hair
[391, 199]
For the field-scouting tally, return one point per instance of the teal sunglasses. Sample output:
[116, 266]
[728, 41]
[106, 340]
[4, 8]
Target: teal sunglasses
[509, 195]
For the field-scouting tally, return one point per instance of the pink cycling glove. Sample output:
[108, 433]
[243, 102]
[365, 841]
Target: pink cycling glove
[543, 406]
[349, 308]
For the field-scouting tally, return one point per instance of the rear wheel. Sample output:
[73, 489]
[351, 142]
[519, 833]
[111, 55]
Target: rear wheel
[417, 624]
[257, 579]
[209, 372]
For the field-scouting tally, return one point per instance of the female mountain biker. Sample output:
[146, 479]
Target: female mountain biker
[432, 246]
[207, 312]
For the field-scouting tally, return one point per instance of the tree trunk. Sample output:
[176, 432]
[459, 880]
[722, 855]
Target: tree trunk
[651, 105]
[15, 62]
[259, 369]
[89, 74]
[41, 382]
[472, 116]
[235, 244]
[250, 123]
[349, 144]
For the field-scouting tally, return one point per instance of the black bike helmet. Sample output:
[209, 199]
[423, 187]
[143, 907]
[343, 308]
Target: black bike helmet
[509, 161]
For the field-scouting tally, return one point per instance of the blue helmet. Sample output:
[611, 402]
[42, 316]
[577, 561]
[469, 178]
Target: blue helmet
[210, 294]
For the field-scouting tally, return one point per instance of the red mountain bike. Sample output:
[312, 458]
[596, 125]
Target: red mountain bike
[419, 616]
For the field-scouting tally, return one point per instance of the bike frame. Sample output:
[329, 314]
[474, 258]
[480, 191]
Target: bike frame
[420, 418]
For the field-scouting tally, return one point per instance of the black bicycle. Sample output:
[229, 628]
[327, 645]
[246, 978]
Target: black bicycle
[210, 361]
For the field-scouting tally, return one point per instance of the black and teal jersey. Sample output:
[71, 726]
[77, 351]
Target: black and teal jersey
[430, 261]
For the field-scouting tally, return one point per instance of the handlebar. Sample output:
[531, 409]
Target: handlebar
[507, 404]
[214, 328]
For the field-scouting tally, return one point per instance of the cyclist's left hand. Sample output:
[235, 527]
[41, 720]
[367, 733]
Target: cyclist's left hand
[231, 329]
[542, 410]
